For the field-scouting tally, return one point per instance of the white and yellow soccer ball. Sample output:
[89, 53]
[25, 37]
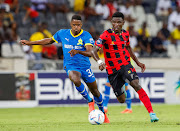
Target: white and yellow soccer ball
[96, 117]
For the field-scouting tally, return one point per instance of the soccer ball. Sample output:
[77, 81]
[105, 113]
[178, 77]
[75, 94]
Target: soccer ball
[96, 117]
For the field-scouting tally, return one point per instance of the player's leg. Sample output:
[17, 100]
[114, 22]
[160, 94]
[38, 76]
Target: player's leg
[98, 98]
[144, 99]
[130, 75]
[106, 95]
[90, 80]
[75, 77]
[128, 100]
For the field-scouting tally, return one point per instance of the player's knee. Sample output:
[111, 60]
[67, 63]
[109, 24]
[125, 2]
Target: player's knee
[135, 85]
[121, 99]
[76, 81]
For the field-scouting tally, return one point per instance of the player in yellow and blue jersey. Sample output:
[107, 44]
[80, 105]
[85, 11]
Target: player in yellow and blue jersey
[77, 66]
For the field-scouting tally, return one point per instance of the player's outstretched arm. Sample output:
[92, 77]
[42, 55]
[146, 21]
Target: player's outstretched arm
[143, 67]
[94, 54]
[45, 41]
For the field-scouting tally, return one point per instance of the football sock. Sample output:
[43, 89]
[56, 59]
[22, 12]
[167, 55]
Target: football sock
[99, 102]
[128, 99]
[82, 90]
[145, 100]
[106, 95]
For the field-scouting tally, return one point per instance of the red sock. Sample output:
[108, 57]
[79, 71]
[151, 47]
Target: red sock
[145, 100]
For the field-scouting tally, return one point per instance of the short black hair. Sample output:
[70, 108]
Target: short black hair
[118, 14]
[76, 17]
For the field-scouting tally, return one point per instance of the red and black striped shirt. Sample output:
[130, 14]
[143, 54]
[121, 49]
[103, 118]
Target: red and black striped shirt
[115, 53]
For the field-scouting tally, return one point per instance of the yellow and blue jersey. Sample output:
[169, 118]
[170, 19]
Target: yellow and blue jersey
[78, 42]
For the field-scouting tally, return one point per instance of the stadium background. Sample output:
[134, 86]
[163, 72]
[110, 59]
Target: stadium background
[155, 38]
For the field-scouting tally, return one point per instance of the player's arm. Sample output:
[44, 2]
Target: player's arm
[45, 41]
[133, 56]
[95, 56]
[87, 52]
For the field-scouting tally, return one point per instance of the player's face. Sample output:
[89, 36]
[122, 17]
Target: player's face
[117, 23]
[76, 26]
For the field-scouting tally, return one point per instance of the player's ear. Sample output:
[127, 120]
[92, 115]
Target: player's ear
[123, 22]
[71, 24]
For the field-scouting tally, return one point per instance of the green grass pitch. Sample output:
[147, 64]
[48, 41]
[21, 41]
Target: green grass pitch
[76, 118]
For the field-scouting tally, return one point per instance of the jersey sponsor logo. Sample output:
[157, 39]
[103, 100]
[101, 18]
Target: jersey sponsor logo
[112, 43]
[129, 72]
[80, 42]
[68, 46]
[72, 47]
[67, 39]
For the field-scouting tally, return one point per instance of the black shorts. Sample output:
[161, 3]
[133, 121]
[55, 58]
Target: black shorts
[125, 75]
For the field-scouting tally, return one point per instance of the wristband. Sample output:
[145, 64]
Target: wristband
[99, 62]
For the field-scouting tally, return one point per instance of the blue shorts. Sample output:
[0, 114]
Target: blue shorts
[86, 73]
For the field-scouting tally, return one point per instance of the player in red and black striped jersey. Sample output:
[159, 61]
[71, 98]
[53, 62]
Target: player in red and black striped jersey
[117, 53]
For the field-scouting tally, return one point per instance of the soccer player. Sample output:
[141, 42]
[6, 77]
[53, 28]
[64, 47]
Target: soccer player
[78, 66]
[117, 52]
[107, 94]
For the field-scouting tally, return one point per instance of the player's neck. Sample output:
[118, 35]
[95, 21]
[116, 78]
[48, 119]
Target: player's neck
[75, 33]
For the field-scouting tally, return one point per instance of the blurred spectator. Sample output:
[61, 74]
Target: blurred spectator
[157, 48]
[102, 9]
[39, 5]
[58, 6]
[7, 17]
[5, 22]
[14, 5]
[127, 11]
[144, 44]
[60, 52]
[133, 40]
[28, 52]
[178, 2]
[175, 35]
[165, 34]
[111, 7]
[79, 5]
[34, 15]
[50, 52]
[163, 7]
[47, 33]
[89, 13]
[1, 41]
[4, 6]
[37, 49]
[92, 31]
[14, 31]
[144, 29]
[173, 19]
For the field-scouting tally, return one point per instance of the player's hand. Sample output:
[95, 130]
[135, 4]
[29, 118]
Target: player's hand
[102, 66]
[143, 67]
[25, 42]
[73, 52]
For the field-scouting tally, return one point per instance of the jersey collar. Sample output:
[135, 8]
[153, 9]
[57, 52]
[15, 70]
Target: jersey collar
[77, 34]
[116, 33]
